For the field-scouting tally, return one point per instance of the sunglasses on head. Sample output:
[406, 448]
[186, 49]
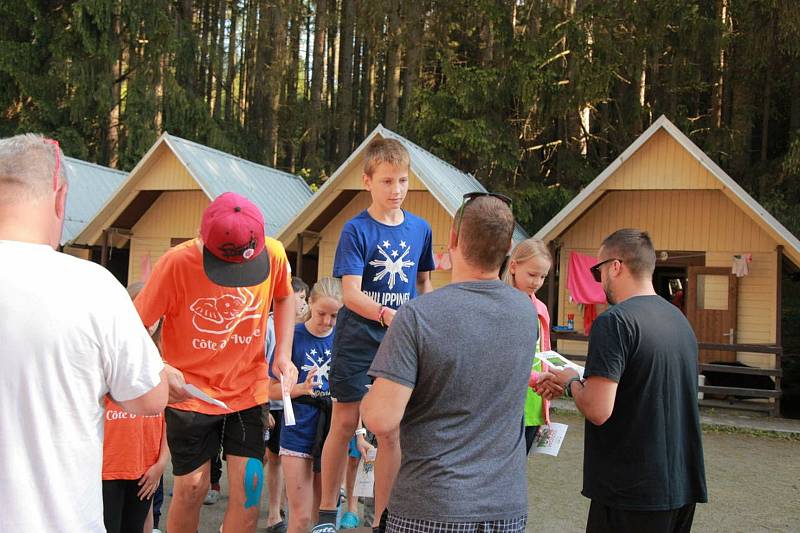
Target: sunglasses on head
[471, 196]
[595, 270]
[58, 161]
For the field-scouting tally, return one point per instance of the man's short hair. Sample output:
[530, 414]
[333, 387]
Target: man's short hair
[385, 151]
[27, 165]
[634, 248]
[485, 232]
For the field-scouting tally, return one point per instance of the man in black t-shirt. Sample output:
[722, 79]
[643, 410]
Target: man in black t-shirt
[643, 453]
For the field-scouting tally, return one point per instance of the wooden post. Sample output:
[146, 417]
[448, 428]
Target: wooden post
[299, 255]
[551, 287]
[104, 249]
[776, 411]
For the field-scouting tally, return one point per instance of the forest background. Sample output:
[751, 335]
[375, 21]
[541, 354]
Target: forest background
[533, 97]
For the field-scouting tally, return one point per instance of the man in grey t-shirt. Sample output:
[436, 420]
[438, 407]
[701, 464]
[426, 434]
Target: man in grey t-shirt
[452, 374]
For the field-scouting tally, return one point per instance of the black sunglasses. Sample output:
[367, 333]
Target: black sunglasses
[595, 270]
[471, 196]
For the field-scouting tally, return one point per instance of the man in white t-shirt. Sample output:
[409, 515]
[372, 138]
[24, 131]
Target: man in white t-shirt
[69, 335]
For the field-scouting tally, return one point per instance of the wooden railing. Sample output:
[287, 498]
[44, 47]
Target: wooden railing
[733, 394]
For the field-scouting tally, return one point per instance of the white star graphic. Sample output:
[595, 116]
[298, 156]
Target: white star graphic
[327, 352]
[386, 244]
[319, 360]
[391, 267]
[313, 351]
[394, 253]
[402, 244]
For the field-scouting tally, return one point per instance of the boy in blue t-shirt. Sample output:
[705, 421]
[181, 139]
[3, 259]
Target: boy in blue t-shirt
[384, 258]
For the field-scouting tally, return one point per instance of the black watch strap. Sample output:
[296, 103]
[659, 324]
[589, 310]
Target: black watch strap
[568, 385]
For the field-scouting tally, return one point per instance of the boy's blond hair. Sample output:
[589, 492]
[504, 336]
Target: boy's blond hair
[385, 151]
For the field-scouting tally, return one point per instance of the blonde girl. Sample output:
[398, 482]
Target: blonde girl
[528, 266]
[301, 444]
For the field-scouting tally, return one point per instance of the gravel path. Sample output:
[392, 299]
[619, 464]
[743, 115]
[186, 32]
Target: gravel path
[754, 485]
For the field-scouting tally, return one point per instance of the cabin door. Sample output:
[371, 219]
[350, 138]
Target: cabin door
[711, 309]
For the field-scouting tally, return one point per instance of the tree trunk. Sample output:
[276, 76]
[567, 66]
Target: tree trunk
[720, 64]
[742, 126]
[765, 114]
[111, 156]
[277, 71]
[318, 75]
[293, 74]
[356, 83]
[344, 123]
[794, 98]
[333, 50]
[208, 36]
[393, 58]
[231, 74]
[257, 112]
[414, 47]
[185, 62]
[307, 80]
[247, 76]
[219, 74]
[368, 78]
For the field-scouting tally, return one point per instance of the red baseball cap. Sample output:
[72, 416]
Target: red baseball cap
[232, 230]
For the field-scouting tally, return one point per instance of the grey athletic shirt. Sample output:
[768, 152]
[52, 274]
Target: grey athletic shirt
[465, 350]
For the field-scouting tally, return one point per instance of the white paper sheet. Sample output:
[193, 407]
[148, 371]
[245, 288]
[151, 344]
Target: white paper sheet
[365, 476]
[549, 438]
[559, 361]
[200, 395]
[288, 410]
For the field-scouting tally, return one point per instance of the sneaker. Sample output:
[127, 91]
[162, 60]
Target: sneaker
[349, 520]
[277, 527]
[212, 497]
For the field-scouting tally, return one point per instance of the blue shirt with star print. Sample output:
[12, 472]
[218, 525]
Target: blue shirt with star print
[308, 352]
[386, 257]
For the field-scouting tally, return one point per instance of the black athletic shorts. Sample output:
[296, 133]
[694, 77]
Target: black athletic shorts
[603, 518]
[195, 438]
[274, 441]
[355, 343]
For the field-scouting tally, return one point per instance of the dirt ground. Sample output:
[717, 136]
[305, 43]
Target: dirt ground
[753, 483]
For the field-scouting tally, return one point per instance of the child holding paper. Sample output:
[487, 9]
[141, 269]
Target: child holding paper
[135, 454]
[527, 269]
[301, 443]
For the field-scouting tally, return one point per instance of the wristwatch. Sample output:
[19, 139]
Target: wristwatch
[568, 385]
[361, 431]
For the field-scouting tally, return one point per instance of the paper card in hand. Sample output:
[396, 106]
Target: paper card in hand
[557, 360]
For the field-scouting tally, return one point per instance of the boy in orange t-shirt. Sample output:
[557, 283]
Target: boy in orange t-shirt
[215, 294]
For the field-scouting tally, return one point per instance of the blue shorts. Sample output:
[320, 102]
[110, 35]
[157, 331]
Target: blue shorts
[355, 343]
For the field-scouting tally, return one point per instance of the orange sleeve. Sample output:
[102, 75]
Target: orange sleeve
[281, 271]
[157, 297]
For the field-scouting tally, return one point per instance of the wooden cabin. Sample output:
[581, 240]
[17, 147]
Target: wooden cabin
[701, 221]
[160, 203]
[90, 187]
[435, 192]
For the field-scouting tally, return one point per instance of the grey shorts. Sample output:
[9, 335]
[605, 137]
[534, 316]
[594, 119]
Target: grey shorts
[399, 524]
[355, 342]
